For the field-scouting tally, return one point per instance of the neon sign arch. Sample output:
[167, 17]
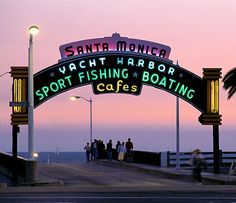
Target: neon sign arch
[118, 65]
[118, 72]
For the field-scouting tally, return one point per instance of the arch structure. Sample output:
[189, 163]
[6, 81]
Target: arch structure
[118, 73]
[119, 65]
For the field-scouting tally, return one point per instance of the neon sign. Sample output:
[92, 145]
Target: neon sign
[118, 72]
[114, 43]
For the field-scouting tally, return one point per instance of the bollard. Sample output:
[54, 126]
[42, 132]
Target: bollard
[31, 171]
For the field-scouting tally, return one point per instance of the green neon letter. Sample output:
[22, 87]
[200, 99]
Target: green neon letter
[81, 64]
[130, 62]
[140, 63]
[92, 62]
[45, 90]
[154, 78]
[190, 93]
[68, 79]
[125, 73]
[171, 82]
[161, 68]
[120, 60]
[62, 69]
[40, 95]
[81, 75]
[151, 65]
[145, 77]
[72, 66]
[103, 73]
[162, 82]
[102, 59]
[55, 88]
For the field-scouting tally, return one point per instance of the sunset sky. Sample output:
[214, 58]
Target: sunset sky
[201, 34]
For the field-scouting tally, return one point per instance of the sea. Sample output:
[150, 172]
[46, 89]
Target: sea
[58, 157]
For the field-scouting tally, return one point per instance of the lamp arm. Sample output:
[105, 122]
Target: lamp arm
[90, 100]
[4, 74]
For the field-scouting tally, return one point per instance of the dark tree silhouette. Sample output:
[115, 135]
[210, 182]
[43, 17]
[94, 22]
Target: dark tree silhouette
[229, 81]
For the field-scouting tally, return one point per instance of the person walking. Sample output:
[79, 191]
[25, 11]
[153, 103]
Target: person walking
[198, 162]
[109, 151]
[87, 149]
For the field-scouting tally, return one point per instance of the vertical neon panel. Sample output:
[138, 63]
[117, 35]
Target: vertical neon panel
[217, 96]
[17, 86]
[212, 97]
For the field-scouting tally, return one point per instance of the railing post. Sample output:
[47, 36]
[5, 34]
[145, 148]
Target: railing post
[168, 158]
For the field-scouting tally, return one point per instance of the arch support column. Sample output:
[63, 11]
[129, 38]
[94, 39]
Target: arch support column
[211, 115]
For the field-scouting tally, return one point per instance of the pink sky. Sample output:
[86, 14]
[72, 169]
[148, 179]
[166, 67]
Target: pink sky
[201, 34]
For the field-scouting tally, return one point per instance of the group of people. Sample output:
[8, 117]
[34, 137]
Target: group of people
[95, 150]
[123, 150]
[98, 150]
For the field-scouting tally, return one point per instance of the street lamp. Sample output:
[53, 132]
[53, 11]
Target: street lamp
[33, 30]
[73, 98]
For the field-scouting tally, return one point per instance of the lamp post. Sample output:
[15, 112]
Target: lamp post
[73, 98]
[33, 30]
[177, 135]
[1, 76]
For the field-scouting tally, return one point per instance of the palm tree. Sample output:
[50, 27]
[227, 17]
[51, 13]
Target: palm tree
[229, 81]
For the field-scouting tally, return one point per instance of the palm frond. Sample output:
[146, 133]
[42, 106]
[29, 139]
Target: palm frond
[229, 81]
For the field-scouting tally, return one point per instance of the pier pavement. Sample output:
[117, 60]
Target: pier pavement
[46, 172]
[103, 176]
